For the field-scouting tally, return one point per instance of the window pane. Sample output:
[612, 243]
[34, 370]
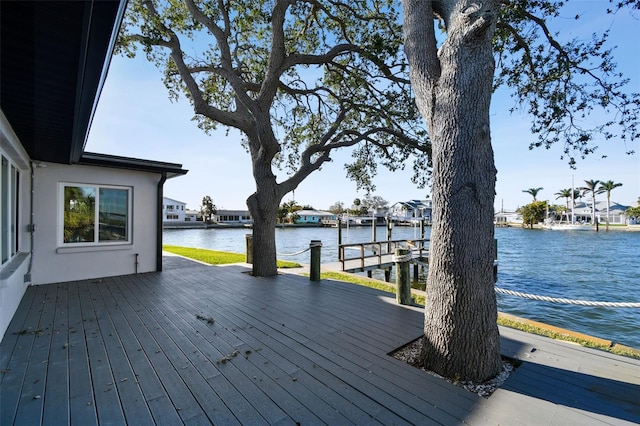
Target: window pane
[4, 211]
[114, 214]
[15, 175]
[79, 214]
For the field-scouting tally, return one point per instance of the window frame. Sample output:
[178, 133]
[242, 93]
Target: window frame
[97, 242]
[9, 209]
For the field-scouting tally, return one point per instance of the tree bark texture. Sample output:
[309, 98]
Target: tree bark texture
[263, 204]
[453, 86]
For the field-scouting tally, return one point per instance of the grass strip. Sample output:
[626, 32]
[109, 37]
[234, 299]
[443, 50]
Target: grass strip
[214, 257]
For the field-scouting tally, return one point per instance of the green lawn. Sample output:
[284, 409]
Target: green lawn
[213, 257]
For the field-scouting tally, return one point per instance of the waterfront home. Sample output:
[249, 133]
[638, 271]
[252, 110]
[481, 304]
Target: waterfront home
[192, 216]
[173, 210]
[66, 214]
[504, 218]
[315, 217]
[233, 217]
[412, 210]
[582, 212]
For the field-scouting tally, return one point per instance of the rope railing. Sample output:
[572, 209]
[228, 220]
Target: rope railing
[296, 253]
[312, 244]
[568, 301]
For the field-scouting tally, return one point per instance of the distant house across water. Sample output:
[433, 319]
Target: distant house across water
[504, 218]
[315, 216]
[582, 212]
[173, 210]
[412, 210]
[233, 217]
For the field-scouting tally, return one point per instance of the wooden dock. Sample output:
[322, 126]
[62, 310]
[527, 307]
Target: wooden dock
[212, 345]
[367, 257]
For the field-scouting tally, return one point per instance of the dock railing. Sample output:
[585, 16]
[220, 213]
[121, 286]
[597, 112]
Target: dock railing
[378, 254]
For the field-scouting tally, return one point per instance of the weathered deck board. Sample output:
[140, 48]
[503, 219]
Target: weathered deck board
[279, 350]
[105, 390]
[352, 347]
[293, 377]
[82, 406]
[56, 404]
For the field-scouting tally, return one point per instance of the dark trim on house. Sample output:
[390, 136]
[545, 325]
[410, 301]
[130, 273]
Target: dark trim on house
[53, 62]
[160, 218]
[114, 161]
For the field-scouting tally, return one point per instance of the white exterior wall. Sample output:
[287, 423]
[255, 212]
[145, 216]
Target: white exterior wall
[54, 263]
[12, 274]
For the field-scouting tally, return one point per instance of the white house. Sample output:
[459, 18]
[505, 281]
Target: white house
[192, 215]
[233, 216]
[504, 218]
[66, 214]
[407, 211]
[173, 210]
[582, 211]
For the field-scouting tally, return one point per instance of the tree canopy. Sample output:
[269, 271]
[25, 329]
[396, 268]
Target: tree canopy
[325, 75]
[297, 78]
[566, 85]
[208, 209]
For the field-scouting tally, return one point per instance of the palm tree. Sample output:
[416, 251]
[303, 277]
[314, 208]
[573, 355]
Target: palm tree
[564, 193]
[567, 194]
[591, 186]
[533, 192]
[607, 187]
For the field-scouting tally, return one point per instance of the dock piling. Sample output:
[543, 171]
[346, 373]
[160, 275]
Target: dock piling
[249, 248]
[314, 266]
[402, 258]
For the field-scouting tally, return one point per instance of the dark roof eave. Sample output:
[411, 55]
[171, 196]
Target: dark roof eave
[113, 161]
[94, 75]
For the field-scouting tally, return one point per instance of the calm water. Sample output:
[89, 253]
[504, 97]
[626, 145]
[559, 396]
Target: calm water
[602, 266]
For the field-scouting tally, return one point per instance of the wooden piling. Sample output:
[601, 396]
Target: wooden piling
[314, 266]
[249, 248]
[403, 278]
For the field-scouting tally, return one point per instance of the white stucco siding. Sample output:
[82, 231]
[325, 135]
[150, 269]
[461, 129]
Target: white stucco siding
[54, 261]
[12, 272]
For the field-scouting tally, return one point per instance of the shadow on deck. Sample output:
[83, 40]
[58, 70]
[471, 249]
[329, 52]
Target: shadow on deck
[200, 344]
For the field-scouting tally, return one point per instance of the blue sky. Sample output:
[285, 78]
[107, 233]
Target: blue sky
[136, 119]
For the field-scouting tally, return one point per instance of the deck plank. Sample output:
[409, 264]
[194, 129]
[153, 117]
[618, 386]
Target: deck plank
[362, 373]
[263, 368]
[105, 394]
[19, 340]
[82, 407]
[31, 401]
[312, 353]
[143, 372]
[155, 344]
[56, 398]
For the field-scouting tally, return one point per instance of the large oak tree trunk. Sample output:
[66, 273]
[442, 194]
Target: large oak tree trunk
[454, 87]
[264, 209]
[263, 204]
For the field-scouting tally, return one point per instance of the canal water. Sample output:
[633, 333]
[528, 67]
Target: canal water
[593, 266]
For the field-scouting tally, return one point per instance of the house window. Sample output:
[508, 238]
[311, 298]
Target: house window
[95, 214]
[9, 178]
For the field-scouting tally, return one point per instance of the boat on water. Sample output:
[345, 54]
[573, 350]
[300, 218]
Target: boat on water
[566, 226]
[567, 223]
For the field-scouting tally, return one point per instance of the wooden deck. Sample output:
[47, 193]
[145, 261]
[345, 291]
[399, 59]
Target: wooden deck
[200, 345]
